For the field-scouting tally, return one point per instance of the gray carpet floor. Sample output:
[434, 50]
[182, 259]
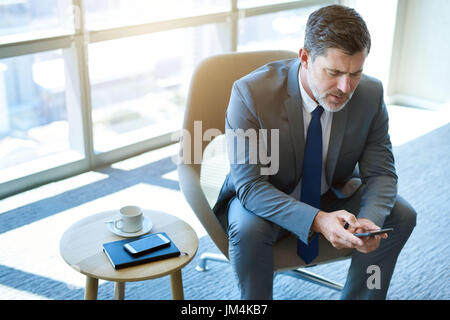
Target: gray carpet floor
[422, 270]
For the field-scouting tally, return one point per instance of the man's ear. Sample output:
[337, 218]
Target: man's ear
[304, 57]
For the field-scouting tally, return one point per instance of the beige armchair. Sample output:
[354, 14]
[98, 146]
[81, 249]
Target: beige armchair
[204, 162]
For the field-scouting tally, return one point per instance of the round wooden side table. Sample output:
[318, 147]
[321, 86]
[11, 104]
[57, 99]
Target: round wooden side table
[81, 247]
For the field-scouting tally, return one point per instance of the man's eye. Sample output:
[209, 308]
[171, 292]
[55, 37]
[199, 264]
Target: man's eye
[333, 74]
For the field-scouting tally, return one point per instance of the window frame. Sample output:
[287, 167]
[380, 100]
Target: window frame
[78, 92]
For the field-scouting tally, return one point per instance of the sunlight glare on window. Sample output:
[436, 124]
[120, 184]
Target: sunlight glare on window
[33, 19]
[110, 14]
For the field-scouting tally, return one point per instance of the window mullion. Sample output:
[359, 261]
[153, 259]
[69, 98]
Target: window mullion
[234, 24]
[81, 45]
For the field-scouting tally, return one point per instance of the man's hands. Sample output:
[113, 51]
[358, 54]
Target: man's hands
[331, 225]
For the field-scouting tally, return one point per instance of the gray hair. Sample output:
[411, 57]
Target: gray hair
[338, 27]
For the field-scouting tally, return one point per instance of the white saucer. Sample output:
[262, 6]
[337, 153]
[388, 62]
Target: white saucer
[146, 227]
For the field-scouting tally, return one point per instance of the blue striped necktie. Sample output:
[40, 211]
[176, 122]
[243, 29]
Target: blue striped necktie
[311, 179]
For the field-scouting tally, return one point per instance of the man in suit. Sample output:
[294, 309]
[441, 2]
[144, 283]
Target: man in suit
[335, 173]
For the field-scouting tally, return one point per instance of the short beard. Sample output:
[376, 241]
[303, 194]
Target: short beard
[322, 101]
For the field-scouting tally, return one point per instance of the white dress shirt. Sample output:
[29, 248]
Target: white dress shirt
[309, 105]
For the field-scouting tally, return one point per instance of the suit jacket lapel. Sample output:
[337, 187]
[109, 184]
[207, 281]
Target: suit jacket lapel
[293, 105]
[336, 137]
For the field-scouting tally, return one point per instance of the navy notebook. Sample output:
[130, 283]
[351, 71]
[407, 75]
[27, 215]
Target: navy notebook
[120, 258]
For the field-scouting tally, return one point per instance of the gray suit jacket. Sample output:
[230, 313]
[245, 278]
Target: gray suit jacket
[269, 98]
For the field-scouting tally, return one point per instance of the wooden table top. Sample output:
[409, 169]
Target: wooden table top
[81, 247]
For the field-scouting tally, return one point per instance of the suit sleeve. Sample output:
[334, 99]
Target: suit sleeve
[377, 170]
[253, 189]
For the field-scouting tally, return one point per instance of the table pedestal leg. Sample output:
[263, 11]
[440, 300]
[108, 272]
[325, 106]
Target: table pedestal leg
[176, 284]
[119, 291]
[90, 292]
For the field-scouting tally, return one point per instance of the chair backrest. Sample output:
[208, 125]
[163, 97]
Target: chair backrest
[208, 99]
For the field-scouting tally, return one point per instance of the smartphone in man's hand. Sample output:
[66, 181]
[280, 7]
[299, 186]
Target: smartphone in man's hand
[373, 232]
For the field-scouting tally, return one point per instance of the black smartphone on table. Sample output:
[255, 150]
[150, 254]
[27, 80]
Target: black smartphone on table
[374, 232]
[144, 245]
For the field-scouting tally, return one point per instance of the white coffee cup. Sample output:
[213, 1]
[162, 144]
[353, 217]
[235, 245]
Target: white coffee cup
[131, 218]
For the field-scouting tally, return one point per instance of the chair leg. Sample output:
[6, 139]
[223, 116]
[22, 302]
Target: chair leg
[201, 265]
[301, 273]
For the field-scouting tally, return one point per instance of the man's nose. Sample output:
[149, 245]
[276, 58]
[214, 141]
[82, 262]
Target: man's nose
[344, 83]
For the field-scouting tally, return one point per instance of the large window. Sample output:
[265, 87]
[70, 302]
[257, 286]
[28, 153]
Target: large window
[35, 127]
[115, 13]
[84, 83]
[31, 19]
[271, 31]
[139, 84]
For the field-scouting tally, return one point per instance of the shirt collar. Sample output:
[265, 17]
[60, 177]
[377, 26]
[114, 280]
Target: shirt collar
[308, 103]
